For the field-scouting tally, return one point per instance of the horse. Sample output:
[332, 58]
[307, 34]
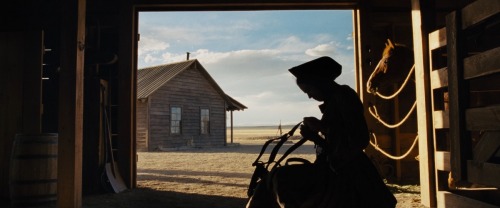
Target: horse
[395, 66]
[394, 70]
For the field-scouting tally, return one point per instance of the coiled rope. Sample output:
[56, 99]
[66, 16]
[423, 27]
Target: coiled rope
[375, 145]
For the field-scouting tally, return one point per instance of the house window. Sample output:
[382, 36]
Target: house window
[205, 121]
[175, 120]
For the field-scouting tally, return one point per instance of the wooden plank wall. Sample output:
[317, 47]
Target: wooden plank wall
[465, 104]
[470, 68]
[142, 122]
[191, 91]
[483, 66]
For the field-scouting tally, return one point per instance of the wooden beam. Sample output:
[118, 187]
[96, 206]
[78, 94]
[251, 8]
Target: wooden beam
[69, 185]
[439, 78]
[486, 118]
[231, 127]
[460, 141]
[479, 11]
[448, 199]
[243, 5]
[127, 83]
[424, 110]
[437, 39]
[358, 53]
[441, 119]
[442, 159]
[482, 64]
[484, 173]
[487, 146]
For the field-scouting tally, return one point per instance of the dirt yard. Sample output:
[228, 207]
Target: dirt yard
[207, 178]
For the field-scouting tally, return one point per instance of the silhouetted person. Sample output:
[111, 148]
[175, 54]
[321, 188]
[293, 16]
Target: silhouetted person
[342, 135]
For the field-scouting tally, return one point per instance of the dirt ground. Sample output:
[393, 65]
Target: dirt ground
[207, 178]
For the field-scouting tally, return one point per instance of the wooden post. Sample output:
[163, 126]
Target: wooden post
[231, 127]
[127, 83]
[460, 143]
[424, 116]
[69, 185]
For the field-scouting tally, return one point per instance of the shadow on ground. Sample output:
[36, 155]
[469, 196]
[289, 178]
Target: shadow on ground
[150, 198]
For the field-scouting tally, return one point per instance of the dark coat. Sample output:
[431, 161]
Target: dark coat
[353, 179]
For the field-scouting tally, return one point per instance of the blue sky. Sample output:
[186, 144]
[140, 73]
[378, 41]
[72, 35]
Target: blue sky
[249, 54]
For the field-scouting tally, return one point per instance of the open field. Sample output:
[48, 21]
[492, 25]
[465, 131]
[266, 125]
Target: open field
[257, 132]
[210, 177]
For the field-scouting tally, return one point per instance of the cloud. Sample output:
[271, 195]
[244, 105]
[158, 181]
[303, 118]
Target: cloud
[248, 58]
[151, 45]
[322, 50]
[267, 109]
[148, 58]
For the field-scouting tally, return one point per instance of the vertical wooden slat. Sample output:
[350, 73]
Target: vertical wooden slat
[424, 117]
[357, 52]
[69, 184]
[127, 93]
[457, 97]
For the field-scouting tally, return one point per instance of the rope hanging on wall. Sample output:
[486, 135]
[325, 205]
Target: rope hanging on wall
[375, 145]
[388, 97]
[373, 111]
[375, 114]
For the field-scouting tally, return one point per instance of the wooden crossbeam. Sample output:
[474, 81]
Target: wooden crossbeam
[486, 118]
[482, 64]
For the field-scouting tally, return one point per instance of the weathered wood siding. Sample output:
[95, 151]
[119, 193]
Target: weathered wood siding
[191, 91]
[142, 125]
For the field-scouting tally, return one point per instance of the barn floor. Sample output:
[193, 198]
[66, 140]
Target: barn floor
[206, 177]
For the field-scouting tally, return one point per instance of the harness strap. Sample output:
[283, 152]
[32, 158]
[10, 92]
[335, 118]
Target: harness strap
[261, 169]
[276, 148]
[283, 138]
[259, 172]
[264, 149]
[290, 150]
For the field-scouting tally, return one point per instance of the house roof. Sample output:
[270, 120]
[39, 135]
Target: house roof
[152, 78]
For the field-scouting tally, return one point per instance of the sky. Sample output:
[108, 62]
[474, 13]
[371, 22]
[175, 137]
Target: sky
[248, 54]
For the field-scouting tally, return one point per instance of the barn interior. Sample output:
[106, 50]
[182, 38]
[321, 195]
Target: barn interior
[57, 55]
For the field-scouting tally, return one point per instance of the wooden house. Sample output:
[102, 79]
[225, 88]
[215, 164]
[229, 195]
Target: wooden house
[180, 105]
[456, 89]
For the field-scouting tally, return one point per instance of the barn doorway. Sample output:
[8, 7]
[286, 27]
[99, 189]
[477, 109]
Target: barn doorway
[247, 54]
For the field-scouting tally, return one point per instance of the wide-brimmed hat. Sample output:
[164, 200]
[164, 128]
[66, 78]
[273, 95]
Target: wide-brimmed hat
[321, 69]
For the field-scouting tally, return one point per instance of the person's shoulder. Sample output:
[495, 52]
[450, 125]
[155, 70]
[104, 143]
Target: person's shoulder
[347, 88]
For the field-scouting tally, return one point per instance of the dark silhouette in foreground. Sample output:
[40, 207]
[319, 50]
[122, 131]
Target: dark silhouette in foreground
[342, 175]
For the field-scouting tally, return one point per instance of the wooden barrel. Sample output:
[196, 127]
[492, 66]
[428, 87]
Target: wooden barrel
[33, 170]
